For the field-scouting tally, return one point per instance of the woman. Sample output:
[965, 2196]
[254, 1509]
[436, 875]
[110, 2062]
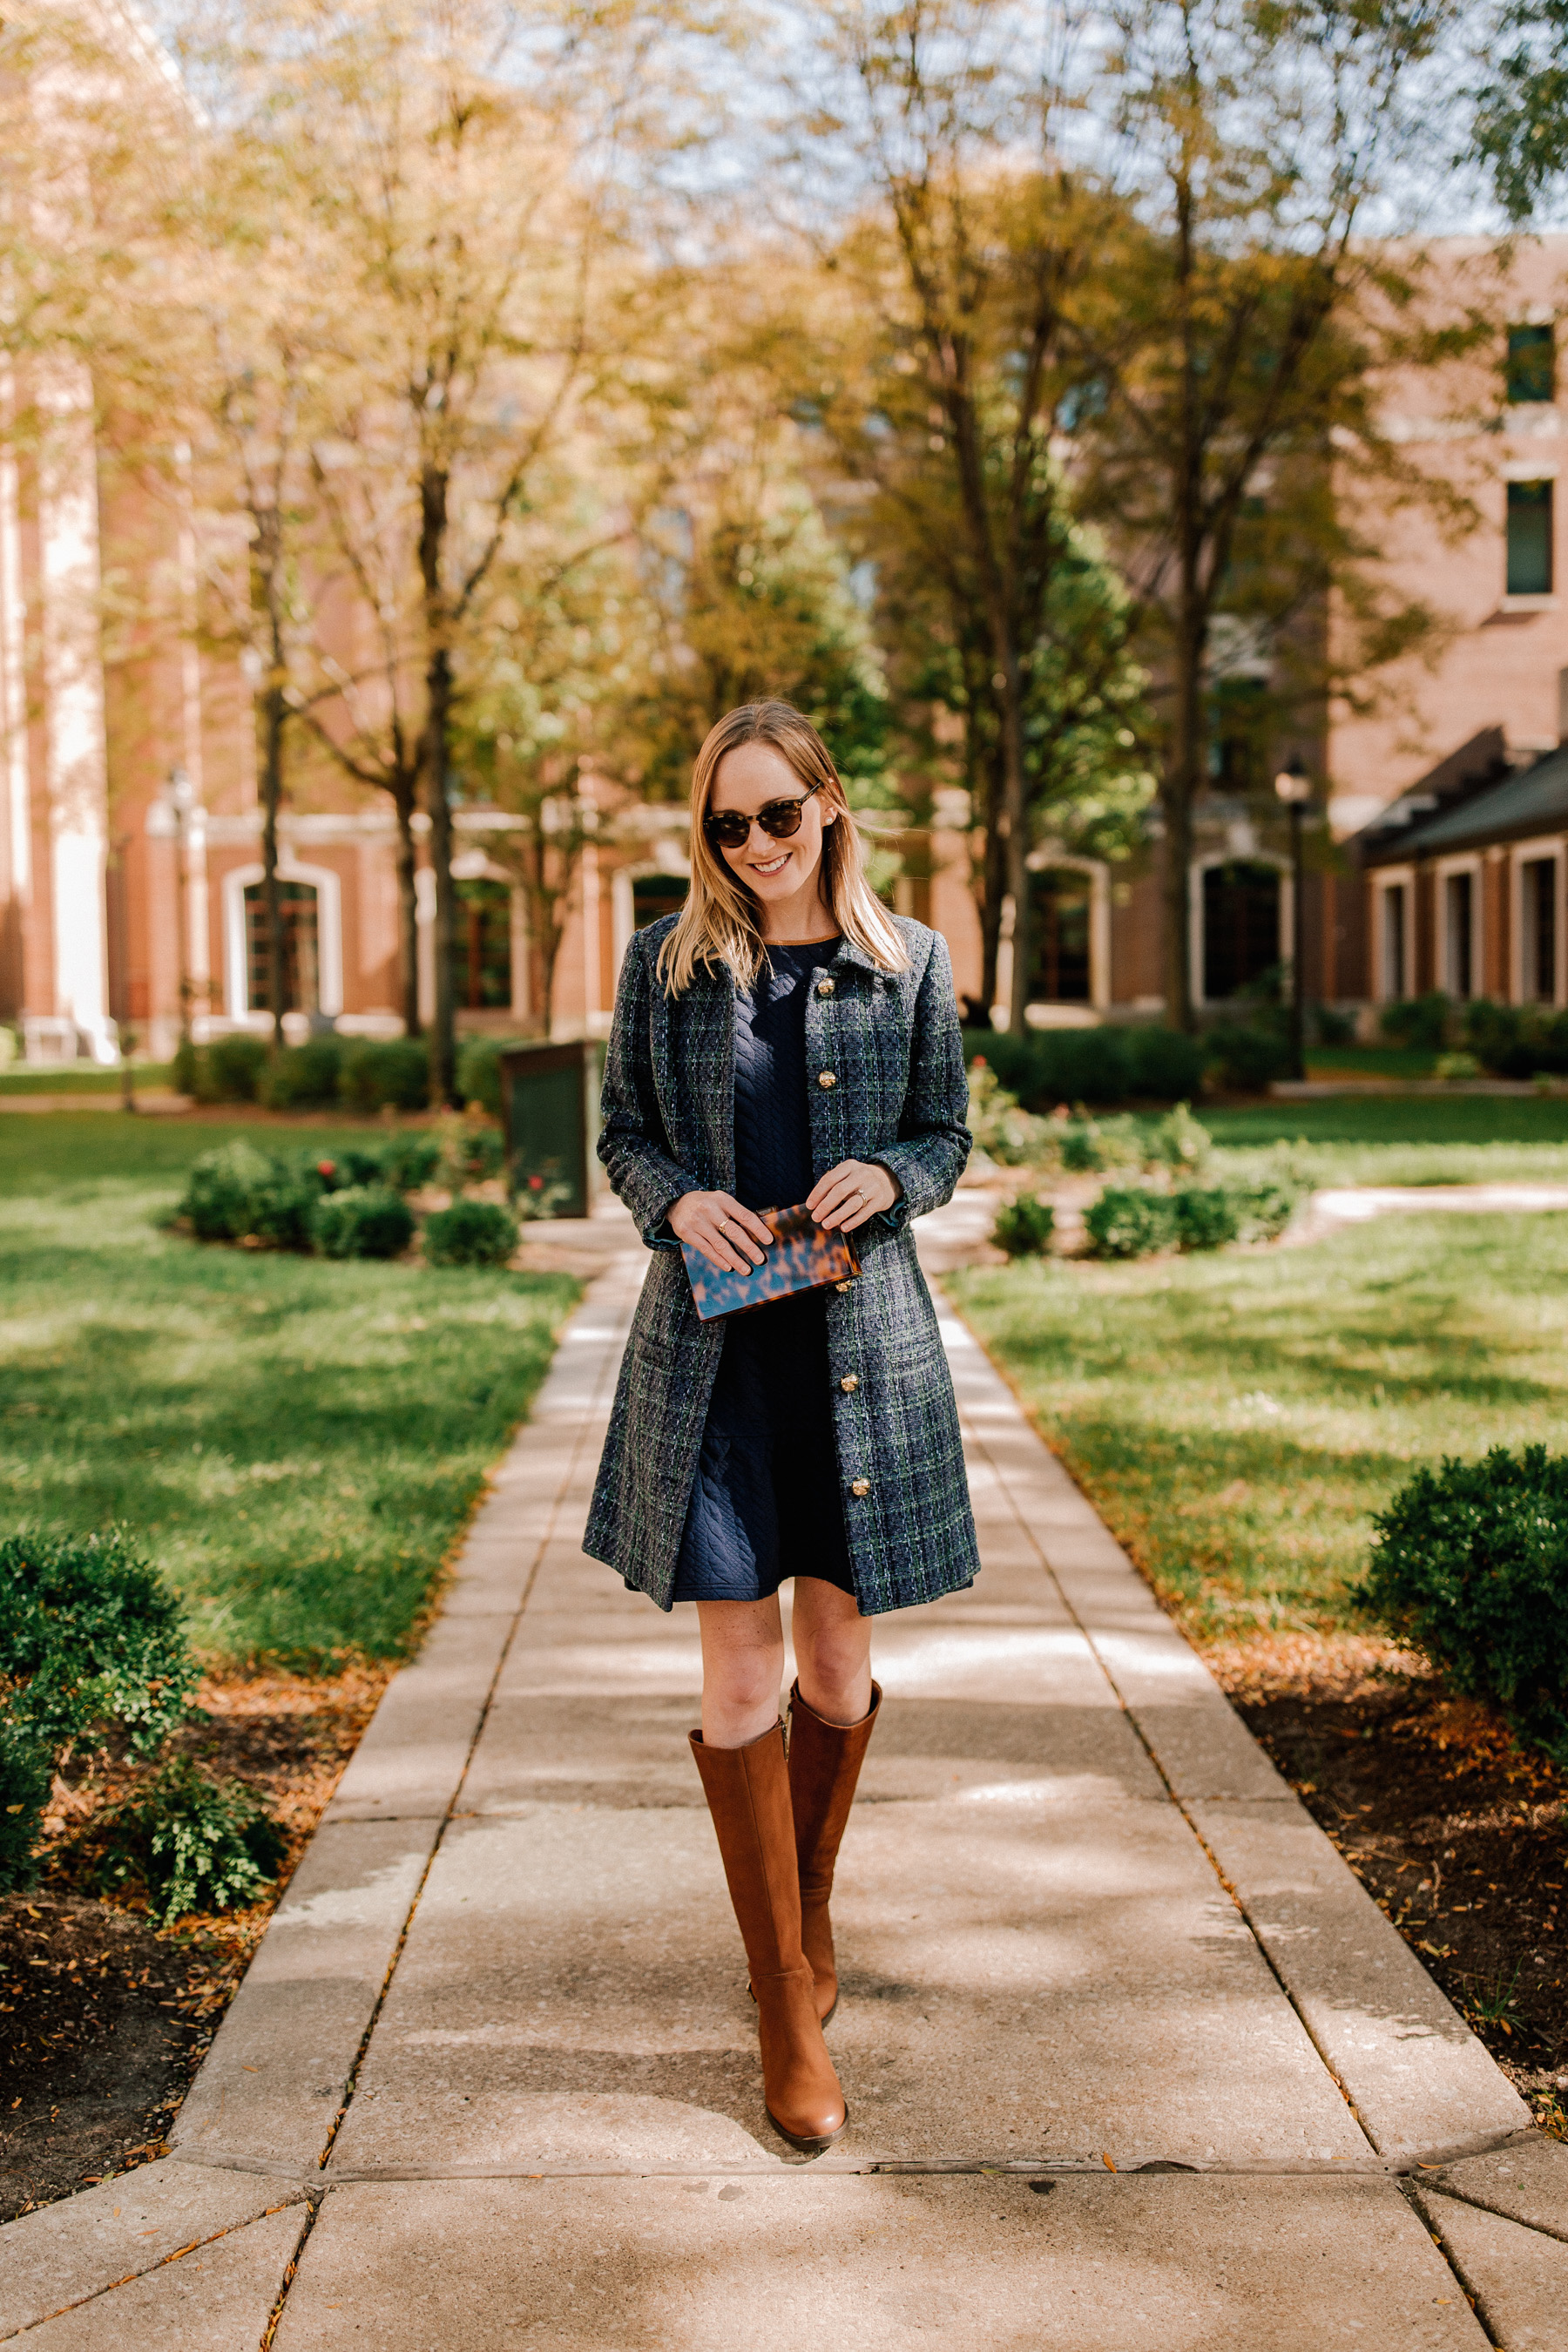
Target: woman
[783, 1039]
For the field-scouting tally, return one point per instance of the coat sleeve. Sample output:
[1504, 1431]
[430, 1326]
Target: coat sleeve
[934, 1141]
[633, 1144]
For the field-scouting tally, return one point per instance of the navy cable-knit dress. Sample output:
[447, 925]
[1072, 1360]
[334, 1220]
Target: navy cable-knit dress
[765, 1504]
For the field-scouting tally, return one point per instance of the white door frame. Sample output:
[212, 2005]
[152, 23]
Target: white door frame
[328, 887]
[1547, 848]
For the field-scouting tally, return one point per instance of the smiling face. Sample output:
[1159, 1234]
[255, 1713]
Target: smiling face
[775, 872]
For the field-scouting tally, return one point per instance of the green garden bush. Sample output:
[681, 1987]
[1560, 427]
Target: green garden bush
[1422, 1025]
[1246, 1057]
[1113, 1064]
[1002, 1128]
[409, 1161]
[375, 1072]
[1088, 1145]
[471, 1233]
[479, 1071]
[1517, 1041]
[26, 1777]
[191, 1843]
[1207, 1217]
[362, 1221]
[91, 1639]
[1128, 1222]
[219, 1190]
[283, 1204]
[303, 1075]
[1470, 1564]
[1024, 1227]
[230, 1068]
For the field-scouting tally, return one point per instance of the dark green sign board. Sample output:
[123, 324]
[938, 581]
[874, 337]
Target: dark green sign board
[549, 1109]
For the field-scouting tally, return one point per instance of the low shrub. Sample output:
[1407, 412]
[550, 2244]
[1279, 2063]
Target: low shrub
[1023, 1228]
[1517, 1041]
[219, 1190]
[1102, 1067]
[26, 1777]
[1206, 1218]
[1245, 1059]
[479, 1072]
[1456, 1066]
[191, 1843]
[1162, 1065]
[1001, 1127]
[237, 1191]
[353, 1165]
[1422, 1025]
[362, 1221]
[375, 1072]
[90, 1638]
[471, 1233]
[1329, 1027]
[302, 1075]
[231, 1068]
[1086, 1146]
[1179, 1141]
[410, 1161]
[184, 1068]
[284, 1202]
[472, 1150]
[1470, 1564]
[1128, 1222]
[1263, 1209]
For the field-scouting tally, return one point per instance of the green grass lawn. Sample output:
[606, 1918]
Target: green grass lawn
[296, 1442]
[1409, 1139]
[1238, 1418]
[80, 1079]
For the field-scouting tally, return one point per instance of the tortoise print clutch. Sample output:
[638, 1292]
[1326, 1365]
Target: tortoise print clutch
[803, 1257]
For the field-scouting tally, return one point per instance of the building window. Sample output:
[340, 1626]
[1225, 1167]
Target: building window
[1060, 901]
[1459, 927]
[1241, 927]
[1532, 365]
[482, 945]
[1530, 538]
[1538, 930]
[1396, 941]
[301, 955]
[654, 895]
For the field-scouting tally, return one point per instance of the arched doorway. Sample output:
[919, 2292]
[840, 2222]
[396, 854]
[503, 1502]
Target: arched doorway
[301, 948]
[1241, 941]
[1062, 936]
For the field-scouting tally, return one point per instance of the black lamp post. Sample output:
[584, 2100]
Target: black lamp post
[1294, 787]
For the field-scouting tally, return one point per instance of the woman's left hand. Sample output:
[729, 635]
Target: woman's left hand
[849, 1194]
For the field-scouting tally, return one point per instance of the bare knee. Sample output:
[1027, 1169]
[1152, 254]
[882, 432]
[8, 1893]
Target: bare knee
[834, 1655]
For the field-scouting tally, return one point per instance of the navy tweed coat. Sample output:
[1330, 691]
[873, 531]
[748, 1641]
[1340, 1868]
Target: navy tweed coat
[889, 1043]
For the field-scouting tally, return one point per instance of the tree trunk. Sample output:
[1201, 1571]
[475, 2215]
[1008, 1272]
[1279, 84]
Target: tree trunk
[438, 802]
[404, 800]
[1015, 810]
[433, 489]
[1179, 788]
[995, 882]
[273, 718]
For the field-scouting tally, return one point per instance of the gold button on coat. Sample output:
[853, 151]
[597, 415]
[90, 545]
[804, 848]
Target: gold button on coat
[861, 1487]
[849, 1384]
[842, 1286]
[824, 988]
[826, 1078]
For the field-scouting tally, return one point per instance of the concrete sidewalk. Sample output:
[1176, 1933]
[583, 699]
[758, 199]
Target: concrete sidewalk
[1133, 2063]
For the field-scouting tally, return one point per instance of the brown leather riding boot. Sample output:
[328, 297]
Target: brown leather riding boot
[824, 1761]
[747, 1791]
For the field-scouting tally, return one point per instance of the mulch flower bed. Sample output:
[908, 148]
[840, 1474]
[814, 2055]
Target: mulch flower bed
[105, 2018]
[1458, 1833]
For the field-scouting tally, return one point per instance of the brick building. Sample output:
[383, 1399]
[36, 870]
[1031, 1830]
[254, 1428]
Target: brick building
[124, 891]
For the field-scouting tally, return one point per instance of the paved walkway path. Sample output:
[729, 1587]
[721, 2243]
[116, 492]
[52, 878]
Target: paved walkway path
[1133, 2063]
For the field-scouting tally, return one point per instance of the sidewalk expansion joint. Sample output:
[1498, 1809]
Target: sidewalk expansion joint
[1483, 2205]
[302, 2197]
[1079, 2168]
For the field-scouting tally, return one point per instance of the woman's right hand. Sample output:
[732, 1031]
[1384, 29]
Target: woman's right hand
[718, 1225]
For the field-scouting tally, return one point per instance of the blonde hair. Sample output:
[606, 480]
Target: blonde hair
[718, 923]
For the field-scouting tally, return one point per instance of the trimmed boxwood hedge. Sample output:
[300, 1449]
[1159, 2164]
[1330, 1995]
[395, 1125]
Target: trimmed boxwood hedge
[1470, 1564]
